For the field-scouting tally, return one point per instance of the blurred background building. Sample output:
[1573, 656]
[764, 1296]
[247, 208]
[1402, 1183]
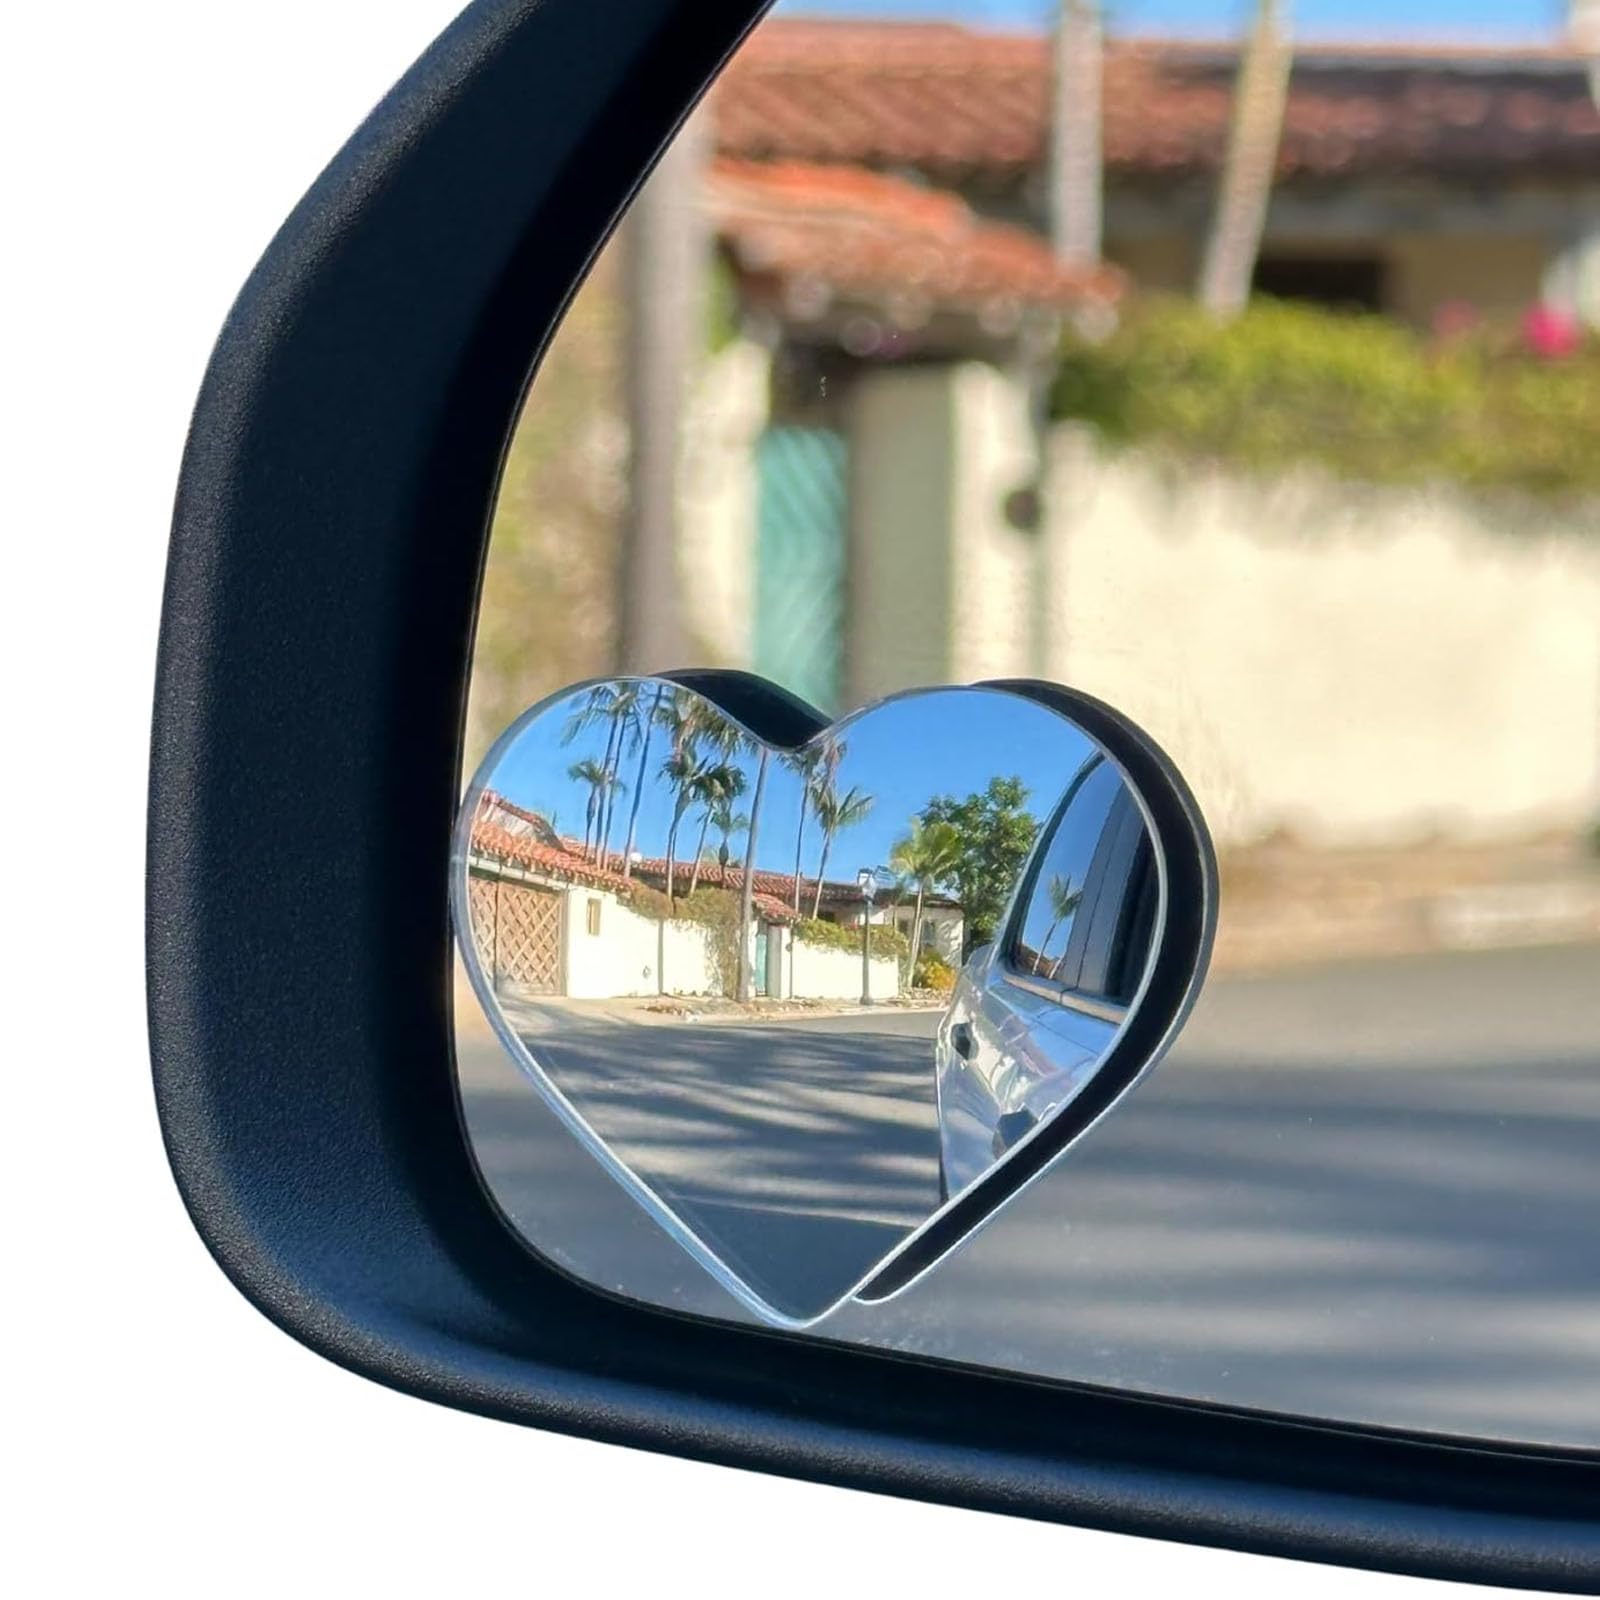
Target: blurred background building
[1337, 548]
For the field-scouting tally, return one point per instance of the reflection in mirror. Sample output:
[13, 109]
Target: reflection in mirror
[1321, 516]
[796, 999]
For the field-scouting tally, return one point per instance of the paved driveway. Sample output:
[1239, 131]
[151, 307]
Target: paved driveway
[1367, 1192]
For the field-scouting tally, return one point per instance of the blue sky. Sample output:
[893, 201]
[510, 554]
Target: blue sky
[1520, 20]
[947, 741]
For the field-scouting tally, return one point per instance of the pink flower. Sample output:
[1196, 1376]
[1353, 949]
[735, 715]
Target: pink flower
[1551, 333]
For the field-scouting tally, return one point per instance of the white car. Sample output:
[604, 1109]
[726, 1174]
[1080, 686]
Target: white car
[1034, 1013]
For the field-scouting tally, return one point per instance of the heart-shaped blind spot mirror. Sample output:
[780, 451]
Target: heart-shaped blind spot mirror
[822, 997]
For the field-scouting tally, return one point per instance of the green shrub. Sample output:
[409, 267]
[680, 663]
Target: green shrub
[647, 900]
[933, 972]
[881, 941]
[1362, 396]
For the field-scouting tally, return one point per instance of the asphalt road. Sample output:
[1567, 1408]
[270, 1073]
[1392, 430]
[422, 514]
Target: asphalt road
[1363, 1192]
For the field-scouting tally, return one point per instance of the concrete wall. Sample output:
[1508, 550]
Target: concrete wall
[819, 972]
[1352, 665]
[620, 960]
[631, 954]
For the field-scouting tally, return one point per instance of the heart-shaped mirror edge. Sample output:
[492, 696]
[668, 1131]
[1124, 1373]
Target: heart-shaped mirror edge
[784, 722]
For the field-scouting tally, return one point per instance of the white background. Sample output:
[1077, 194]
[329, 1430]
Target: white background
[158, 1433]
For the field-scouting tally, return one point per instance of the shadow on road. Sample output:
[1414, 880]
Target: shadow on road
[1362, 1193]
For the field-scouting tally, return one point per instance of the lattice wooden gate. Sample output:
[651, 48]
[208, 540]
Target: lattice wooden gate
[518, 934]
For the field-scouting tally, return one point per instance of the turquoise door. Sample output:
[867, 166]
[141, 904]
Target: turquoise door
[800, 561]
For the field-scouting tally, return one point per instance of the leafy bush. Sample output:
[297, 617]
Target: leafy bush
[933, 972]
[881, 941]
[647, 900]
[1362, 396]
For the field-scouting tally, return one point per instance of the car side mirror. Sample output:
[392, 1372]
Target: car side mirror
[415, 1201]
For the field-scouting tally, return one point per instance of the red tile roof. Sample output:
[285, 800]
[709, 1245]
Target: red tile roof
[953, 102]
[868, 236]
[525, 850]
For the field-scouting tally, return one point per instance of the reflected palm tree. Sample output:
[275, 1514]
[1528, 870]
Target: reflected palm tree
[1064, 901]
[747, 889]
[926, 857]
[717, 787]
[647, 726]
[817, 765]
[594, 774]
[835, 813]
[681, 770]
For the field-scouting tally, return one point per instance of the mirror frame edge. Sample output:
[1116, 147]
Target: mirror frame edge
[317, 626]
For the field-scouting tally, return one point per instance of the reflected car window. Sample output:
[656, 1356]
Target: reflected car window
[1045, 946]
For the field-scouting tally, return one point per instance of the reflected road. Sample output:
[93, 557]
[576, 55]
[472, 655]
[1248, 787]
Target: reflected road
[1364, 1191]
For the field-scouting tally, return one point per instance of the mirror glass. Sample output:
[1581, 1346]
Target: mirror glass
[932, 354]
[794, 999]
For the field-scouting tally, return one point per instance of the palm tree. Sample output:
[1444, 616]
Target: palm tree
[803, 764]
[925, 857]
[681, 769]
[664, 248]
[594, 774]
[632, 733]
[1259, 98]
[1064, 901]
[747, 890]
[717, 787]
[1075, 137]
[817, 766]
[611, 704]
[647, 726]
[727, 822]
[835, 813]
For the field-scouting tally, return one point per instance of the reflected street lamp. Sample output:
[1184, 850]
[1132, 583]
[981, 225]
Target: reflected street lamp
[867, 883]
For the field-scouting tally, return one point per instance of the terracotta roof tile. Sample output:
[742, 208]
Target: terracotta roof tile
[953, 101]
[528, 852]
[873, 237]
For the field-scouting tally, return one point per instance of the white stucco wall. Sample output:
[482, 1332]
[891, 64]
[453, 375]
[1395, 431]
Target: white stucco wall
[819, 972]
[632, 954]
[686, 964]
[1355, 666]
[621, 959]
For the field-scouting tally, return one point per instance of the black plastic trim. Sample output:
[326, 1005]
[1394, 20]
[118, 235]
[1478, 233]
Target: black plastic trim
[326, 551]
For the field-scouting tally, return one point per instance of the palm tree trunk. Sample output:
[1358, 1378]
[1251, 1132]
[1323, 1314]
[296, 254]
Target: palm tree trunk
[1259, 98]
[916, 933]
[822, 873]
[1075, 139]
[672, 845]
[799, 843]
[699, 852]
[747, 893]
[607, 790]
[663, 244]
[638, 784]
